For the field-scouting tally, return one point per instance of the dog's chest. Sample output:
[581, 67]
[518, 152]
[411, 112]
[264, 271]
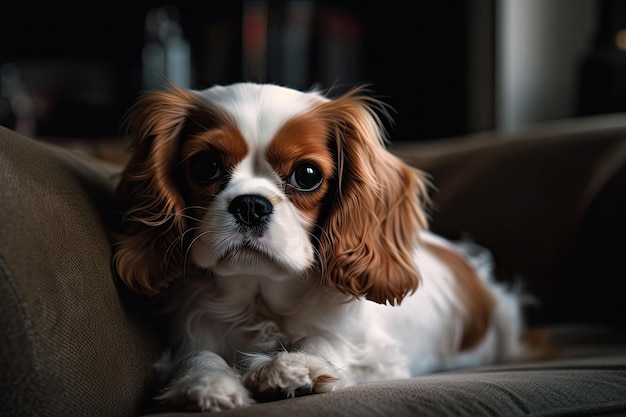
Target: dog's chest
[247, 314]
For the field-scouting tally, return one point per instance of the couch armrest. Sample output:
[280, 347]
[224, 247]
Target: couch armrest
[68, 344]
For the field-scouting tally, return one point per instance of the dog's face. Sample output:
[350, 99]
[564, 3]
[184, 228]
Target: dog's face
[263, 180]
[259, 177]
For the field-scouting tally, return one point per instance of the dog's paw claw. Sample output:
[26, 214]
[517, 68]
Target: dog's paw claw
[290, 374]
[277, 394]
[303, 390]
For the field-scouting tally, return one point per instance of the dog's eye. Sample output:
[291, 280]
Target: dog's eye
[204, 168]
[306, 177]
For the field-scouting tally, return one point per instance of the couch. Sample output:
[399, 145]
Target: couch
[549, 201]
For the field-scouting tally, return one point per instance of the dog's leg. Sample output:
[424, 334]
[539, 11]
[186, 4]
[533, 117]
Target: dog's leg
[205, 382]
[304, 369]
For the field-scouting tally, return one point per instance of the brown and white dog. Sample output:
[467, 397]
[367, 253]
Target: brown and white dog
[298, 248]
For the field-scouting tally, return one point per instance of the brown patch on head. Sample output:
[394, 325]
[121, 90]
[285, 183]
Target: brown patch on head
[223, 145]
[476, 299]
[374, 214]
[167, 128]
[302, 140]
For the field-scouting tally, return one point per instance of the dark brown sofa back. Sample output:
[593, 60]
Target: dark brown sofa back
[549, 202]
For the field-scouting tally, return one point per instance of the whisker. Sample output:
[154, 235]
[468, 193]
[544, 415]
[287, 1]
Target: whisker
[195, 239]
[319, 266]
[170, 249]
[197, 123]
[169, 253]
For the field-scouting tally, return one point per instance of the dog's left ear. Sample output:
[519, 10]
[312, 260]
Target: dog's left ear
[371, 229]
[149, 251]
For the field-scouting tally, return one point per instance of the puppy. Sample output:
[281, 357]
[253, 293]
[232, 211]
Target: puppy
[294, 249]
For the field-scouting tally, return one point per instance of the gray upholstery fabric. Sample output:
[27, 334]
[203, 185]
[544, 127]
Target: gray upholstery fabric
[572, 388]
[69, 347]
[73, 343]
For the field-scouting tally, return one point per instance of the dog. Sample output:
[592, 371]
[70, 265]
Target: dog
[291, 251]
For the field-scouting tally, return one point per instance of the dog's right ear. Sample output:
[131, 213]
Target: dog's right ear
[370, 254]
[148, 251]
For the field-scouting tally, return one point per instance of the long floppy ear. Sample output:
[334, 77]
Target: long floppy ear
[371, 229]
[149, 251]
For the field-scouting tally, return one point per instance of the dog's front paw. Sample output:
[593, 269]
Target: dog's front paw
[289, 374]
[215, 391]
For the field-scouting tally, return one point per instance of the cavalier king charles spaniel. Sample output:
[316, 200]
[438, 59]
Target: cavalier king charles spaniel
[294, 249]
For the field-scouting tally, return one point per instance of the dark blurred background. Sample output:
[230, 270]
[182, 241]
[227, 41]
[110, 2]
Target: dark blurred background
[447, 68]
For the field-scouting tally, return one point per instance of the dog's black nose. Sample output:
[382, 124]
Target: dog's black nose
[251, 210]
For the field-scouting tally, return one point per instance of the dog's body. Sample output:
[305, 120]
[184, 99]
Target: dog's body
[291, 232]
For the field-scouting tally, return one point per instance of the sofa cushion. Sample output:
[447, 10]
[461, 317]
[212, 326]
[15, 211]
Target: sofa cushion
[593, 386]
[69, 345]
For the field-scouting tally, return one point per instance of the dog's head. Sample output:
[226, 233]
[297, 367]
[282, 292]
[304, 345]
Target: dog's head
[266, 180]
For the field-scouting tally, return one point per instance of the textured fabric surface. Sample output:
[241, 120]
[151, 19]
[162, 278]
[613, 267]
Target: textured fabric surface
[68, 345]
[548, 203]
[579, 387]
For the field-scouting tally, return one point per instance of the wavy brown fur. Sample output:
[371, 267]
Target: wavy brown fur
[370, 233]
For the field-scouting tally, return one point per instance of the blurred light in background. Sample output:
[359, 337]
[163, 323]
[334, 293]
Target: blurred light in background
[539, 46]
[620, 39]
[445, 70]
[166, 55]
